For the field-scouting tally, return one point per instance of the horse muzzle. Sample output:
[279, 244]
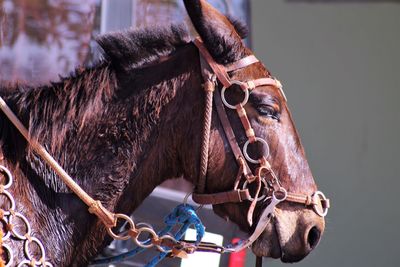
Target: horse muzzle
[291, 235]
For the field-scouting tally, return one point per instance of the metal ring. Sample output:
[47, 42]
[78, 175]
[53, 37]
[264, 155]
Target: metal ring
[246, 145]
[199, 207]
[8, 175]
[161, 249]
[10, 255]
[281, 190]
[48, 264]
[8, 233]
[185, 200]
[28, 252]
[143, 243]
[245, 100]
[25, 221]
[164, 237]
[260, 197]
[12, 202]
[23, 263]
[124, 235]
[143, 224]
[173, 239]
[321, 197]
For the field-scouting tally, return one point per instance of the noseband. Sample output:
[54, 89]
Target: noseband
[269, 187]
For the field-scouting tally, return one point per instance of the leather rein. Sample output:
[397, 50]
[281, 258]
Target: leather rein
[269, 187]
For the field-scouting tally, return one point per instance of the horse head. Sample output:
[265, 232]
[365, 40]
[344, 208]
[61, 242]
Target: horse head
[295, 230]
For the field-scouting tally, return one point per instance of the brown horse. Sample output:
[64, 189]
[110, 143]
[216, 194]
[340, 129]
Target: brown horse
[135, 119]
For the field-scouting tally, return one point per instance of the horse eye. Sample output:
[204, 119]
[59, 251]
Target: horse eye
[268, 111]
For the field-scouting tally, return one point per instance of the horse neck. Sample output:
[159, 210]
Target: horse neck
[174, 133]
[136, 145]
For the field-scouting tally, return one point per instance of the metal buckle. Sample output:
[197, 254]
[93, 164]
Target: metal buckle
[8, 177]
[319, 197]
[261, 197]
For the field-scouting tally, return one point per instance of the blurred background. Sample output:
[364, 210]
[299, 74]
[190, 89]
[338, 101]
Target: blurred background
[340, 64]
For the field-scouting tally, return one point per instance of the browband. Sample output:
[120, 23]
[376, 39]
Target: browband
[222, 72]
[241, 63]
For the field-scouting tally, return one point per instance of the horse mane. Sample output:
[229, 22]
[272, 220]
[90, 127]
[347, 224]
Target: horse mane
[64, 107]
[52, 110]
[58, 108]
[130, 49]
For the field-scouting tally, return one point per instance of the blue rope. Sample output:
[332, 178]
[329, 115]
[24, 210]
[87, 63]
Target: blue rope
[184, 215]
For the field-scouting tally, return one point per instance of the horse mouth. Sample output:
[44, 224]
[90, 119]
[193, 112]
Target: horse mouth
[268, 244]
[273, 250]
[289, 237]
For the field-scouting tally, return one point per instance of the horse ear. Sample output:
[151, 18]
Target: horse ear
[218, 33]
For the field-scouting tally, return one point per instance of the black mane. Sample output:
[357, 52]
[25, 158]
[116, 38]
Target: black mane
[130, 49]
[52, 110]
[73, 101]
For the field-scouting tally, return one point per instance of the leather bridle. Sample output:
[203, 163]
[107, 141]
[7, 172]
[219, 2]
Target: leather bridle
[269, 187]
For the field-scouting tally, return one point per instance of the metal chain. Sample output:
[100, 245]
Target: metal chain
[8, 218]
[165, 243]
[142, 234]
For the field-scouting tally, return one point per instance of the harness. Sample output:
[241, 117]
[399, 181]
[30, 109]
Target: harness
[269, 189]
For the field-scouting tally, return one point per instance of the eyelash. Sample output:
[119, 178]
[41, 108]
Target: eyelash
[268, 111]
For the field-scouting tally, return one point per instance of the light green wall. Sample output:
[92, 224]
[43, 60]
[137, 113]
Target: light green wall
[340, 64]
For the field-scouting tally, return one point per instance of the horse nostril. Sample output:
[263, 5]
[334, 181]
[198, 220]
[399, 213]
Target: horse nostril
[313, 237]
